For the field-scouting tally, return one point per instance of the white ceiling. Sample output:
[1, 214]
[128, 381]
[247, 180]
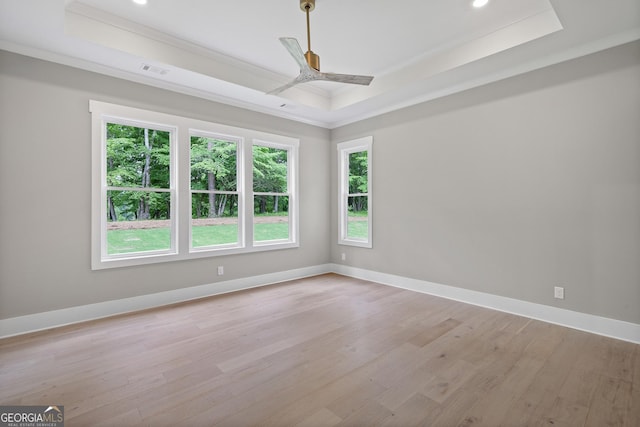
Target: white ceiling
[228, 50]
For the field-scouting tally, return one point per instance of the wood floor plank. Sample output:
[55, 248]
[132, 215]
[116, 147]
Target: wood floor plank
[352, 381]
[416, 411]
[633, 419]
[322, 417]
[448, 380]
[611, 403]
[406, 387]
[541, 400]
[428, 335]
[371, 413]
[324, 351]
[562, 412]
[492, 408]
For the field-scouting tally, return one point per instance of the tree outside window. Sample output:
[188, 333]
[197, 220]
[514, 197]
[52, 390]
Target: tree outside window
[138, 193]
[214, 192]
[271, 195]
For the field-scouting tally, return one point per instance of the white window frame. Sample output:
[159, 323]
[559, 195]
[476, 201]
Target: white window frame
[239, 190]
[292, 185]
[344, 150]
[182, 129]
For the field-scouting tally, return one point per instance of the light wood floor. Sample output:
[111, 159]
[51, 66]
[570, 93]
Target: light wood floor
[324, 351]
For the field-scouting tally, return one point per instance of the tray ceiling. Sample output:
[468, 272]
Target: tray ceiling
[228, 50]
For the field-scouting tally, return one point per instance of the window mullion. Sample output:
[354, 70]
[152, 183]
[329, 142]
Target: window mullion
[183, 193]
[248, 211]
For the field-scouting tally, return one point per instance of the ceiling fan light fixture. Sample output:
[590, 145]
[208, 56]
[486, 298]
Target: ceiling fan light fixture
[480, 3]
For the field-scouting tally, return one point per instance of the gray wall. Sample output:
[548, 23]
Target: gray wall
[510, 188]
[515, 187]
[45, 175]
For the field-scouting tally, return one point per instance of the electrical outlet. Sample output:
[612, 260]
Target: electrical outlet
[220, 270]
[344, 256]
[558, 292]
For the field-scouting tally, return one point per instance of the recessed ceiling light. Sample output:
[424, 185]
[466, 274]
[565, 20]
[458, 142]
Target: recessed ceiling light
[140, 1]
[480, 3]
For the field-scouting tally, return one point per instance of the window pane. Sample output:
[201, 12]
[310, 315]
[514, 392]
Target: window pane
[271, 218]
[214, 219]
[358, 218]
[137, 157]
[358, 172]
[138, 221]
[213, 164]
[269, 169]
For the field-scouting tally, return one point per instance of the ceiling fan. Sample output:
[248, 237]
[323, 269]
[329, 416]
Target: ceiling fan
[309, 62]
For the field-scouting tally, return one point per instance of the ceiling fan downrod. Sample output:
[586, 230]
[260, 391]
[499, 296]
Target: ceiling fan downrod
[312, 59]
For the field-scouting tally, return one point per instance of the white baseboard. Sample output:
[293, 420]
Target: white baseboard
[67, 316]
[612, 328]
[586, 322]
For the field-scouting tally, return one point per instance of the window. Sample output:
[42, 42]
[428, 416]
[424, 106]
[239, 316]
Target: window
[355, 204]
[139, 190]
[215, 195]
[169, 188]
[272, 196]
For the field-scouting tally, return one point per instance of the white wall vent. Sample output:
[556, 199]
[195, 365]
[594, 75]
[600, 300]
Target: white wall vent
[153, 69]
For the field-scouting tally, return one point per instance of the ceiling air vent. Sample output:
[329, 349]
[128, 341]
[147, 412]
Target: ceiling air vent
[153, 69]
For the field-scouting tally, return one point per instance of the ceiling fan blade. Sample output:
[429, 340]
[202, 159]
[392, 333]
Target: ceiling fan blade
[284, 87]
[345, 78]
[311, 75]
[302, 78]
[295, 50]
